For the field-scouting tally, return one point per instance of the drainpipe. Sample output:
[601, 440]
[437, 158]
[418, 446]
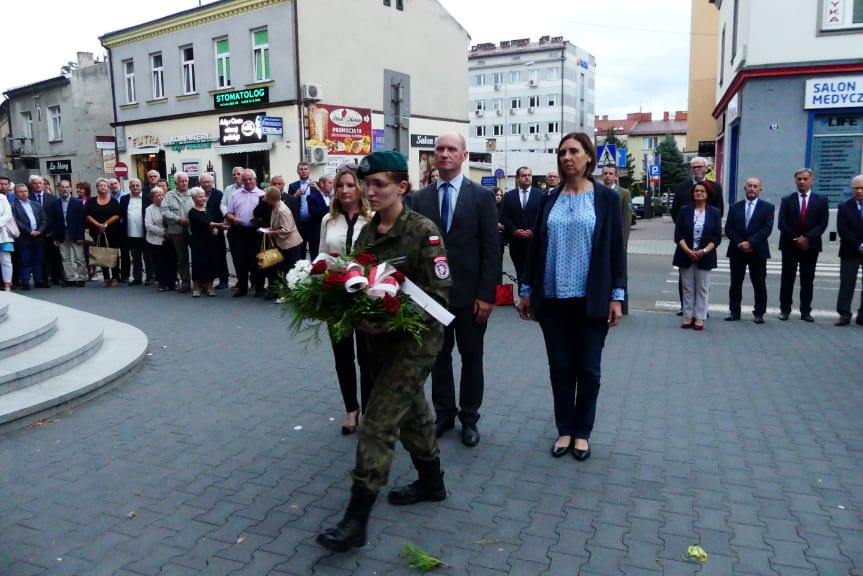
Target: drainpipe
[300, 104]
[114, 103]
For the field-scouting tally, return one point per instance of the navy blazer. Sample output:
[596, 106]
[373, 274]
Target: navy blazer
[472, 243]
[849, 225]
[684, 229]
[315, 200]
[48, 200]
[23, 220]
[124, 208]
[760, 228]
[72, 225]
[817, 215]
[514, 217]
[214, 206]
[607, 259]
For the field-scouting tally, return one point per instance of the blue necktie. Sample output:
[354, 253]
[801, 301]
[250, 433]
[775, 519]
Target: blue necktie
[748, 213]
[304, 207]
[444, 207]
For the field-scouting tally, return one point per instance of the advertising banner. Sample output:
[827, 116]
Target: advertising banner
[343, 130]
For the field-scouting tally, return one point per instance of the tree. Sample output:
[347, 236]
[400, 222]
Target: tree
[68, 67]
[611, 138]
[673, 166]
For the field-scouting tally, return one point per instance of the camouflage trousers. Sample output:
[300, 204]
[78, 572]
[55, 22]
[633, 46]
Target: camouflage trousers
[397, 410]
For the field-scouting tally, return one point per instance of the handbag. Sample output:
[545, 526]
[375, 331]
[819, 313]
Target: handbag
[268, 257]
[104, 256]
[503, 295]
[12, 229]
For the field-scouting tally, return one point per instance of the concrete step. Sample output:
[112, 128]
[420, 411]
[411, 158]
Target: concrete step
[4, 310]
[24, 331]
[84, 353]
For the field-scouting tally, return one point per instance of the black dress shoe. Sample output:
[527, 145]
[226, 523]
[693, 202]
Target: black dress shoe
[843, 321]
[441, 426]
[580, 455]
[558, 451]
[260, 293]
[859, 320]
[241, 293]
[680, 312]
[80, 283]
[469, 435]
[783, 316]
[759, 319]
[732, 318]
[807, 318]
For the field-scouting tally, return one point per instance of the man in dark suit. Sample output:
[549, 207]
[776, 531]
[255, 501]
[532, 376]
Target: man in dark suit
[683, 190]
[132, 256]
[803, 219]
[32, 222]
[849, 225]
[518, 214]
[466, 214]
[68, 218]
[52, 267]
[609, 178]
[312, 208]
[749, 224]
[214, 211]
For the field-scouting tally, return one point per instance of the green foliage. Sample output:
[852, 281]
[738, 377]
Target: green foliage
[68, 67]
[673, 165]
[419, 559]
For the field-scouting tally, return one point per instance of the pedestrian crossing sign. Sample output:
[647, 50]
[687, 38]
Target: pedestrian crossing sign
[606, 154]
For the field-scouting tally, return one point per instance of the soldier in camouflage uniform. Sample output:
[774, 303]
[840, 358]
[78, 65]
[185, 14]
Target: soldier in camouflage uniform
[397, 408]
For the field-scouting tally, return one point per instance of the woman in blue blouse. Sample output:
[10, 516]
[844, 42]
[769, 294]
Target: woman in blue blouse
[574, 283]
[697, 233]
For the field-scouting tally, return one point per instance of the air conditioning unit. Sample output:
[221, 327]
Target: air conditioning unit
[524, 136]
[312, 92]
[497, 87]
[317, 155]
[530, 110]
[500, 112]
[478, 112]
[512, 111]
[532, 82]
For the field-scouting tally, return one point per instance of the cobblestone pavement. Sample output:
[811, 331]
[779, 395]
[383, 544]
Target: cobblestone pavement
[222, 454]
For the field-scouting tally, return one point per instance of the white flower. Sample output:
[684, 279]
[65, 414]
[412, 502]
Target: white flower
[299, 274]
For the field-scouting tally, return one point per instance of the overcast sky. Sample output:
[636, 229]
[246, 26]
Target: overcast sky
[641, 46]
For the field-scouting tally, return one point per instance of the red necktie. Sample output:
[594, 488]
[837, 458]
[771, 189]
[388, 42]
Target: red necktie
[803, 215]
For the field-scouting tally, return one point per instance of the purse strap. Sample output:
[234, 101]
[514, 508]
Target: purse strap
[267, 243]
[99, 237]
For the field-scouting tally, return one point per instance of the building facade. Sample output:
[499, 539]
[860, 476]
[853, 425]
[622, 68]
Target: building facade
[641, 134]
[58, 127]
[524, 96]
[789, 94]
[701, 127]
[268, 83]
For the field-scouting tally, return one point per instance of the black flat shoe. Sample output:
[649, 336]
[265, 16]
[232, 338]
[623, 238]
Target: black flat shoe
[580, 455]
[441, 426]
[560, 451]
[348, 430]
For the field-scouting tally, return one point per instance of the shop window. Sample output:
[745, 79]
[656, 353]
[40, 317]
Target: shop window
[837, 153]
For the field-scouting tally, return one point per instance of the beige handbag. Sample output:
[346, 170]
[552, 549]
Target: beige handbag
[103, 255]
[268, 257]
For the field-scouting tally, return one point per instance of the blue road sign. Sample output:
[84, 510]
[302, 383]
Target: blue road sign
[655, 170]
[606, 155]
[621, 157]
[489, 181]
[499, 173]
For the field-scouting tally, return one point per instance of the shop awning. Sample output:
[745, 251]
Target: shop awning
[243, 148]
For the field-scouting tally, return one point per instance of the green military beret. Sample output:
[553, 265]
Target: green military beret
[382, 161]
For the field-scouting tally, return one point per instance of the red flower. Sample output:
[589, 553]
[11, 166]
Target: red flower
[319, 267]
[334, 254]
[398, 276]
[365, 259]
[391, 304]
[333, 280]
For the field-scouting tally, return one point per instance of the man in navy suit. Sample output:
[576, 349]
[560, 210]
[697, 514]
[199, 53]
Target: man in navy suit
[749, 224]
[67, 215]
[518, 214]
[52, 268]
[312, 208]
[32, 222]
[134, 254]
[466, 214]
[849, 224]
[803, 219]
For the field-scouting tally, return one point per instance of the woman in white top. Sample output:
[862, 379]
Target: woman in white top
[7, 243]
[164, 260]
[349, 212]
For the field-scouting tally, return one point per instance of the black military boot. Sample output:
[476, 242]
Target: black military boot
[351, 531]
[429, 487]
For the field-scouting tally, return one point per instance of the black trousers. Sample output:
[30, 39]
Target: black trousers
[164, 264]
[346, 370]
[848, 268]
[468, 335]
[806, 260]
[245, 244]
[518, 254]
[311, 233]
[220, 259]
[135, 255]
[757, 265]
[52, 263]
